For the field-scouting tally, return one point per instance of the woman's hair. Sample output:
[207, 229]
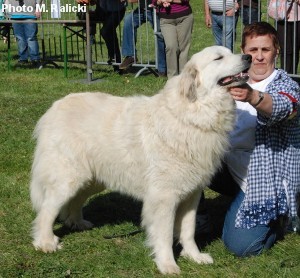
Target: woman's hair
[257, 29]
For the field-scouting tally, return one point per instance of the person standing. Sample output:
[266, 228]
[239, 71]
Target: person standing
[26, 33]
[223, 20]
[176, 23]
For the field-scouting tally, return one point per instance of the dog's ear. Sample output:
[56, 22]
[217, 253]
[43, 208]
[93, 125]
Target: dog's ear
[189, 82]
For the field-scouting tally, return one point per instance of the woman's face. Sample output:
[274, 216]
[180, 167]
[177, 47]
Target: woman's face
[263, 54]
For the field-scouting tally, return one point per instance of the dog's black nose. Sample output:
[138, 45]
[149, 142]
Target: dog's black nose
[247, 58]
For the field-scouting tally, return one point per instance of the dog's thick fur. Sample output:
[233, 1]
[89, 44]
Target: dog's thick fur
[162, 150]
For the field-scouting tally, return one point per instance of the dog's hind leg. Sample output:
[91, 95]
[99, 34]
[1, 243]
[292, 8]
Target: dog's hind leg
[158, 219]
[71, 213]
[57, 191]
[185, 224]
[42, 230]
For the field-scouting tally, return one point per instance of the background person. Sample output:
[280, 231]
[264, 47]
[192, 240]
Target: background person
[249, 11]
[26, 33]
[214, 18]
[142, 14]
[176, 23]
[113, 13]
[262, 169]
[110, 13]
[4, 29]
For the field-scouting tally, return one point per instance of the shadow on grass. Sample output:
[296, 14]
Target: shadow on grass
[113, 209]
[216, 208]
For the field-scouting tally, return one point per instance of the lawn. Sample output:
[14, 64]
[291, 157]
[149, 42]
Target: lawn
[115, 246]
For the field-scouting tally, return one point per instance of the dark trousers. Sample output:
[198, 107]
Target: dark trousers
[249, 15]
[111, 21]
[289, 54]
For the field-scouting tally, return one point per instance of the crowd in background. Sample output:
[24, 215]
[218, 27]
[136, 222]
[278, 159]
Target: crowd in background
[174, 26]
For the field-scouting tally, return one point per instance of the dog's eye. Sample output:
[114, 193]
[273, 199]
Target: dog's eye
[219, 58]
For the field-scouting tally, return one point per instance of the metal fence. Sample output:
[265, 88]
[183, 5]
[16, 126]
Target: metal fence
[64, 36]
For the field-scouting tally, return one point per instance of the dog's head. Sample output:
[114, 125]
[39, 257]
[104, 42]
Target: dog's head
[213, 66]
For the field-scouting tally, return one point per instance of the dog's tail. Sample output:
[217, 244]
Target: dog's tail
[40, 166]
[36, 191]
[39, 174]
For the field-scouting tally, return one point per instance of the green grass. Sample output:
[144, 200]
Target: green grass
[24, 96]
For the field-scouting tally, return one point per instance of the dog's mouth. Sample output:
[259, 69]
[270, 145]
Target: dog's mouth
[241, 77]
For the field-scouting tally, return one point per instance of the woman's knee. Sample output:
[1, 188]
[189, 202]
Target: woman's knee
[249, 243]
[239, 249]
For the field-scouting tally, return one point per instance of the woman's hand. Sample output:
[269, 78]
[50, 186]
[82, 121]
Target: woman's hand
[232, 11]
[164, 3]
[245, 93]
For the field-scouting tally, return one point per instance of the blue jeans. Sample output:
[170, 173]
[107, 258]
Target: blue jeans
[228, 30]
[246, 242]
[26, 35]
[242, 242]
[132, 22]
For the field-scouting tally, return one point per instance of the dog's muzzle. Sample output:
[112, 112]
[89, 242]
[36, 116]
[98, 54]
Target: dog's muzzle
[241, 77]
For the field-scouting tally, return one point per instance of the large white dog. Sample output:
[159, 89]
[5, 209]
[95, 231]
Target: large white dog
[162, 150]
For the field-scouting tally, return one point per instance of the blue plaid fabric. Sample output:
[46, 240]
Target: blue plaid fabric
[274, 172]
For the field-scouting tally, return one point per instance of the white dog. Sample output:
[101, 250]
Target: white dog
[162, 150]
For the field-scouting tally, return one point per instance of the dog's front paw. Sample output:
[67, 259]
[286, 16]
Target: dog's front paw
[168, 268]
[203, 258]
[198, 257]
[47, 246]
